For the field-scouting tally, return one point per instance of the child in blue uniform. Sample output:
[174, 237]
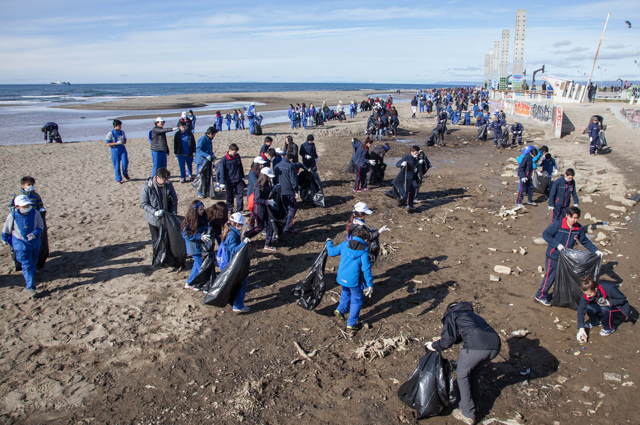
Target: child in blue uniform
[116, 140]
[28, 189]
[261, 201]
[194, 229]
[602, 302]
[354, 259]
[232, 242]
[22, 231]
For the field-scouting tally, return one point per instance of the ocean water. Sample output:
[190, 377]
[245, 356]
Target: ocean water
[24, 109]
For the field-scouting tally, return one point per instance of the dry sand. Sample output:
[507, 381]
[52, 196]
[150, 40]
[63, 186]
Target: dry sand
[112, 340]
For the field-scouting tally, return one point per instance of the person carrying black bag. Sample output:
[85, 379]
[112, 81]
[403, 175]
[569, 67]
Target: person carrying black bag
[481, 345]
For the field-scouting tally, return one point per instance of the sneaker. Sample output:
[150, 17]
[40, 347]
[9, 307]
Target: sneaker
[354, 190]
[338, 315]
[457, 413]
[359, 190]
[290, 232]
[543, 302]
[119, 182]
[354, 328]
[366, 188]
[270, 248]
[244, 309]
[519, 205]
[532, 203]
[411, 209]
[187, 286]
[201, 196]
[32, 293]
[590, 325]
[183, 181]
[126, 176]
[605, 332]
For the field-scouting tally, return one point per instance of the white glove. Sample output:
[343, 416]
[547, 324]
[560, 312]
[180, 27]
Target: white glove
[421, 161]
[158, 213]
[523, 180]
[582, 336]
[223, 186]
[404, 164]
[119, 142]
[429, 346]
[209, 157]
[555, 171]
[383, 229]
[247, 240]
[307, 156]
[4, 242]
[551, 208]
[328, 240]
[599, 253]
[591, 139]
[205, 238]
[31, 237]
[575, 205]
[560, 247]
[43, 210]
[272, 203]
[372, 161]
[174, 129]
[368, 292]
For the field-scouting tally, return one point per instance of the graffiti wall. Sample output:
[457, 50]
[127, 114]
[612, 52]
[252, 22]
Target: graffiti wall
[525, 111]
[630, 117]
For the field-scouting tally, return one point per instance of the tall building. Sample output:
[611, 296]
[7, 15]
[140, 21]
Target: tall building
[487, 68]
[504, 59]
[518, 48]
[495, 80]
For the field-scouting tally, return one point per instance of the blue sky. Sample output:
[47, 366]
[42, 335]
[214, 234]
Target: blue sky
[298, 41]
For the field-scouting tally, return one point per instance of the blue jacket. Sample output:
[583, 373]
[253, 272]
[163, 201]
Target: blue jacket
[251, 113]
[517, 128]
[496, 126]
[232, 171]
[609, 292]
[534, 161]
[251, 181]
[35, 199]
[354, 258]
[361, 157]
[561, 193]
[287, 178]
[18, 226]
[594, 130]
[204, 148]
[194, 244]
[560, 233]
[233, 242]
[525, 168]
[480, 121]
[309, 149]
[549, 165]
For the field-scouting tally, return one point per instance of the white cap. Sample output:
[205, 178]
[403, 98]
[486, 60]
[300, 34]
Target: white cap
[340, 102]
[22, 201]
[159, 119]
[253, 104]
[361, 207]
[237, 218]
[184, 115]
[279, 151]
[268, 172]
[259, 160]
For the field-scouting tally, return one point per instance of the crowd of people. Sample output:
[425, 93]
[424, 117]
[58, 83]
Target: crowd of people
[225, 221]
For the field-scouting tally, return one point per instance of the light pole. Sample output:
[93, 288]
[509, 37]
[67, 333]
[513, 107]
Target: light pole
[601, 76]
[630, 27]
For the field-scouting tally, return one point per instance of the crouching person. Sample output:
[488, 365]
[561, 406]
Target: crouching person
[354, 259]
[481, 345]
[602, 302]
[22, 231]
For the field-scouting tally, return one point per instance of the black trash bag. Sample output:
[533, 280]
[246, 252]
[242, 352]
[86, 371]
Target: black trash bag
[318, 119]
[170, 249]
[311, 187]
[573, 265]
[257, 129]
[226, 286]
[44, 244]
[429, 388]
[277, 213]
[541, 182]
[54, 136]
[374, 251]
[205, 181]
[372, 125]
[310, 290]
[351, 168]
[400, 186]
[482, 132]
[207, 274]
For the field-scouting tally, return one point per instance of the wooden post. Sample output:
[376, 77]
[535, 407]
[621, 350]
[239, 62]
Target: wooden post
[596, 58]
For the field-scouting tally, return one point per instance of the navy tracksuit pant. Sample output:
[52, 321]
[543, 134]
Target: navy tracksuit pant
[234, 190]
[361, 178]
[289, 202]
[559, 213]
[262, 215]
[525, 188]
[548, 279]
[605, 315]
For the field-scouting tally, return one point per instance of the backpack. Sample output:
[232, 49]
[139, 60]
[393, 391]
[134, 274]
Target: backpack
[251, 201]
[222, 257]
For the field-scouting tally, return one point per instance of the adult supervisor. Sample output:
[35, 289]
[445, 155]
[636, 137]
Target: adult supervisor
[157, 197]
[159, 146]
[481, 345]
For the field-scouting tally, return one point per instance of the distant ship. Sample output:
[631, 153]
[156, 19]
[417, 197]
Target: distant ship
[61, 83]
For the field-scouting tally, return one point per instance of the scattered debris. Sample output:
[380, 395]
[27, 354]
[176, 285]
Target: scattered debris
[494, 278]
[520, 333]
[502, 269]
[612, 377]
[539, 241]
[381, 347]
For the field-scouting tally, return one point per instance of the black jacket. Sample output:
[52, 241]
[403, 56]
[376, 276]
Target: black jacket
[611, 293]
[287, 177]
[293, 151]
[159, 139]
[461, 324]
[177, 143]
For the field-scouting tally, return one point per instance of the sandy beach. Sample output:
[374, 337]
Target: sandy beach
[113, 340]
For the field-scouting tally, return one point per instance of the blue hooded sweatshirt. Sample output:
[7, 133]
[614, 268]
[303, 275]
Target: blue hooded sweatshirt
[354, 258]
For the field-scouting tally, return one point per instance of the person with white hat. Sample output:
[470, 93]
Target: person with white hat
[251, 114]
[357, 220]
[232, 242]
[22, 231]
[261, 202]
[186, 121]
[159, 146]
[277, 158]
[257, 165]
